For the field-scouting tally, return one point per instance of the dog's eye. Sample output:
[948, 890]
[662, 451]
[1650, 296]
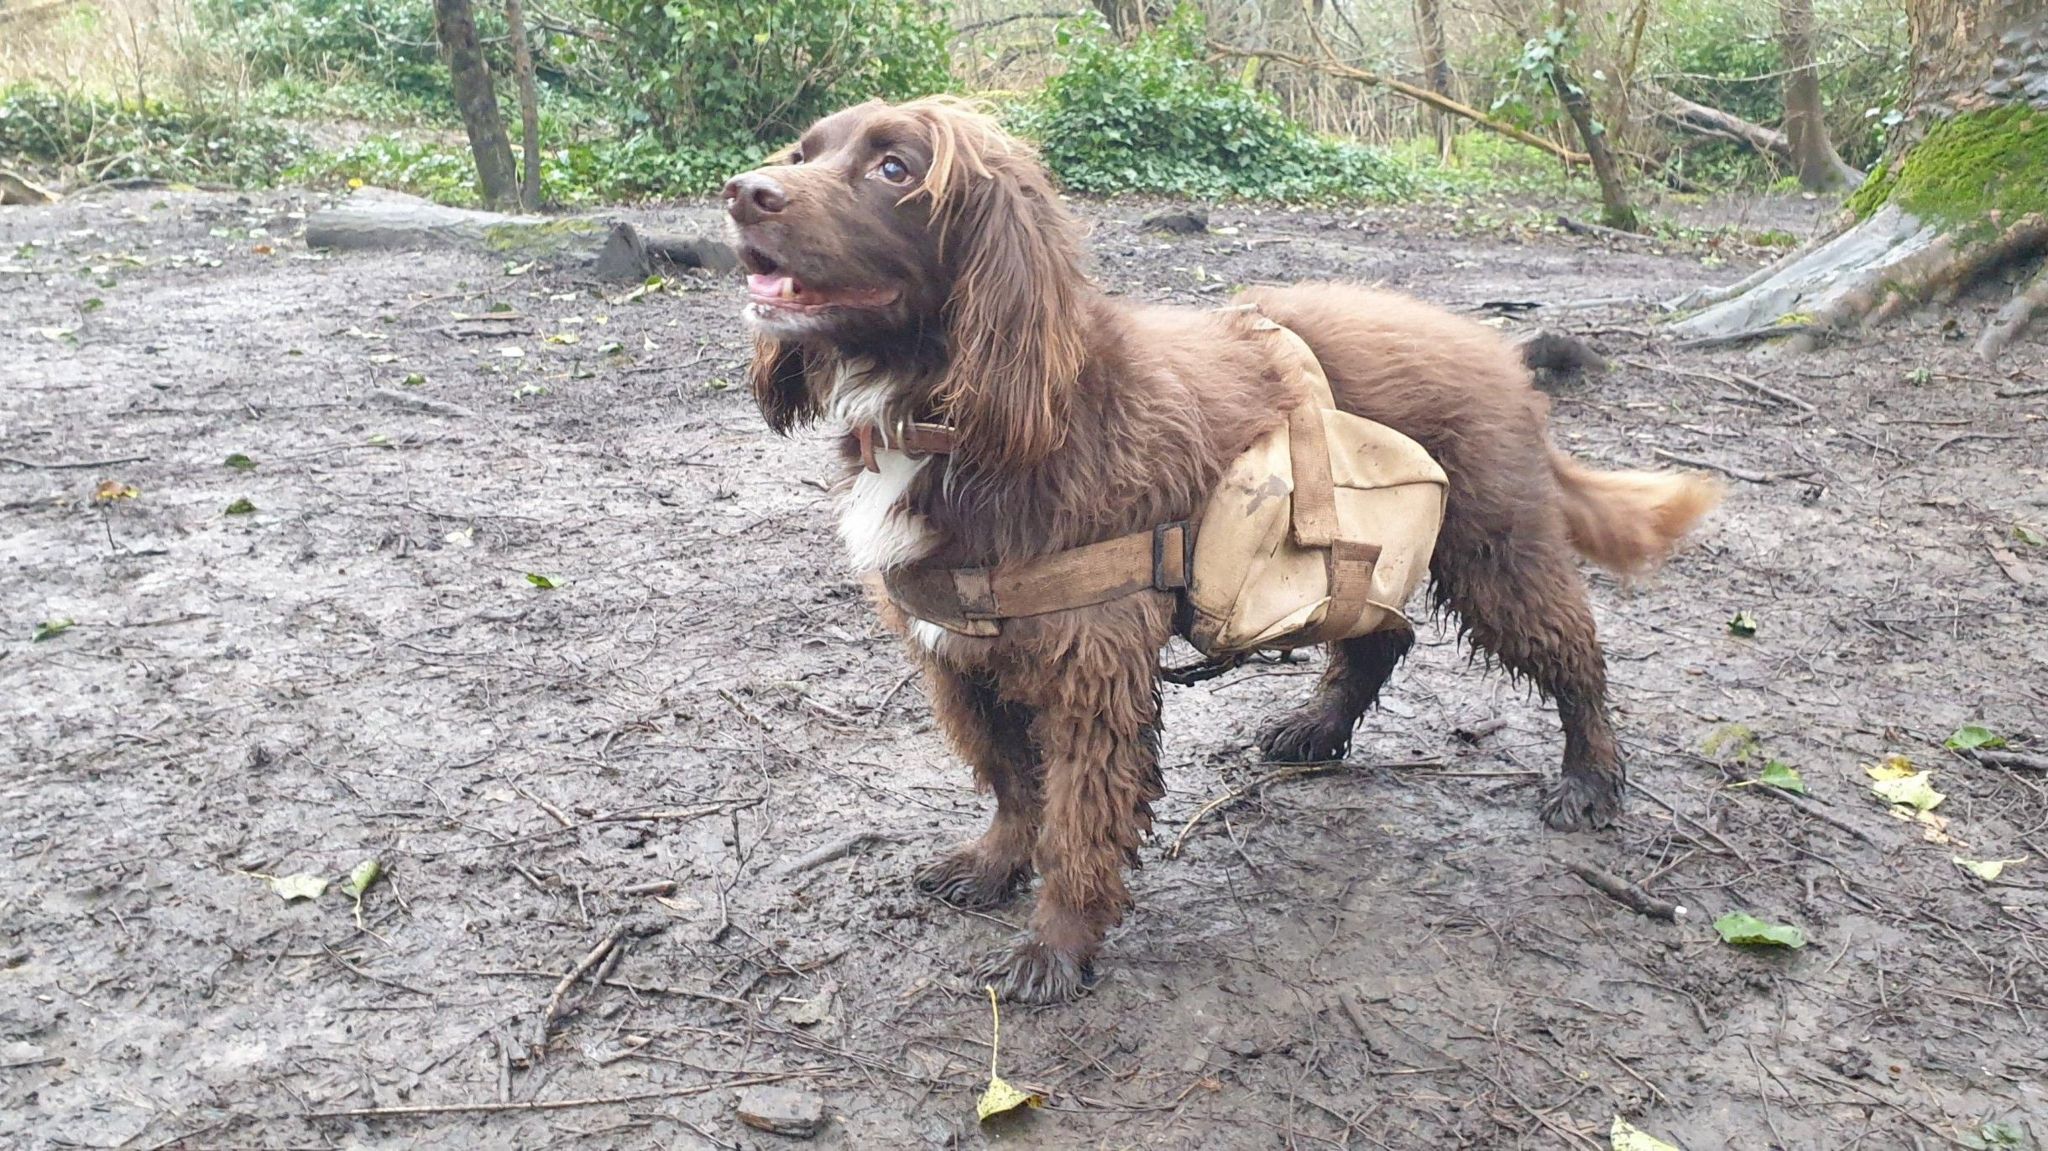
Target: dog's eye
[894, 170]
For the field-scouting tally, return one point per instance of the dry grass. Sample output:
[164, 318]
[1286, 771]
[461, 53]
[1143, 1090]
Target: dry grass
[135, 49]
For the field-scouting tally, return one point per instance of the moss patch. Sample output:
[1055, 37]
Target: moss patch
[1967, 167]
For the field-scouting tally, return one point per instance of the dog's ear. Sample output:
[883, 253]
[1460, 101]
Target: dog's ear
[1014, 317]
[782, 384]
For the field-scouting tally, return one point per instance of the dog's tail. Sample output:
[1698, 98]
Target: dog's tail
[1627, 522]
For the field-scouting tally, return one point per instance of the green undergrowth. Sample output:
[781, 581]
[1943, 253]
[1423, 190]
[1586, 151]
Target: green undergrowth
[1967, 168]
[95, 138]
[1155, 116]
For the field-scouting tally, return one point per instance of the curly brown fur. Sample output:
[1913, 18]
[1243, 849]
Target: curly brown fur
[912, 262]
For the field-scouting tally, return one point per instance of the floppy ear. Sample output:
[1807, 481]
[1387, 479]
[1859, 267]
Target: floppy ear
[1014, 319]
[781, 385]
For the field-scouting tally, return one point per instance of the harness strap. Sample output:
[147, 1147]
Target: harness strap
[916, 439]
[972, 600]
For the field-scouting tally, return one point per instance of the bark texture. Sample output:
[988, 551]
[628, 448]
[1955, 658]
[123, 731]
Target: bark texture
[529, 105]
[477, 100]
[1806, 127]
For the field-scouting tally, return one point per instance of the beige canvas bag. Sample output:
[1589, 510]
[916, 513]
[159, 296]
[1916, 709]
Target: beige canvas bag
[1320, 531]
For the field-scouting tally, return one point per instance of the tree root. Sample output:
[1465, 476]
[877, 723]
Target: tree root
[1866, 276]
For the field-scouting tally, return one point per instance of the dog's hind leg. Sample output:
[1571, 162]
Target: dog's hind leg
[1320, 729]
[1523, 600]
[993, 735]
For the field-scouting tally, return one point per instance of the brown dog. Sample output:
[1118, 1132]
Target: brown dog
[911, 263]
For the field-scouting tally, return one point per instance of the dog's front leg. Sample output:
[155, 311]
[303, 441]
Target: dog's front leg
[1096, 730]
[993, 735]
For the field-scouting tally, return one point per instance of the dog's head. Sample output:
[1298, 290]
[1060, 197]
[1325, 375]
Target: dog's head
[894, 231]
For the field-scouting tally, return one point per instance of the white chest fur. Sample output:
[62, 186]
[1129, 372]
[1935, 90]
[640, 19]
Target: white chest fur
[875, 521]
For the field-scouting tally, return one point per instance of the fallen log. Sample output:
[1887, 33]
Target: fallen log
[1703, 120]
[613, 250]
[16, 188]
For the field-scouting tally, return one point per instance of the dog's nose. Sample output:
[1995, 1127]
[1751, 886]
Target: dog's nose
[754, 197]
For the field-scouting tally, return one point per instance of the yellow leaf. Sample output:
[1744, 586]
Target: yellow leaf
[355, 182]
[1000, 1096]
[111, 490]
[1625, 1136]
[1985, 869]
[1914, 789]
[1892, 767]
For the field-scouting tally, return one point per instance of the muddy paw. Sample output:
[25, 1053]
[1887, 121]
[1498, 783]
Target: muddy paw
[1582, 803]
[963, 878]
[1034, 972]
[1310, 735]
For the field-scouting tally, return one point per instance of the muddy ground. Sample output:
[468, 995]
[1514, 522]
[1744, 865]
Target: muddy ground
[1393, 955]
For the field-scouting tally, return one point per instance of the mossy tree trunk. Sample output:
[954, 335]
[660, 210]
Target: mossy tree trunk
[497, 177]
[1961, 195]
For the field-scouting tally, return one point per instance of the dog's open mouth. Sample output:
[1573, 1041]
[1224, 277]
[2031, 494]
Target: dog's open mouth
[787, 293]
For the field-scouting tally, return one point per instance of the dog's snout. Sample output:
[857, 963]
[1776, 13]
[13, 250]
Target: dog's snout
[754, 197]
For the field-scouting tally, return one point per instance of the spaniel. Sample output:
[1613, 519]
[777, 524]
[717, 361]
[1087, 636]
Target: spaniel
[910, 264]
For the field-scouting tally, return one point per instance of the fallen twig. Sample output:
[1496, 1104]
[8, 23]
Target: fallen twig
[1733, 473]
[1302, 771]
[2021, 759]
[1627, 894]
[1736, 378]
[420, 404]
[1961, 437]
[1749, 336]
[66, 465]
[1581, 228]
[582, 967]
[837, 849]
[2022, 393]
[550, 1104]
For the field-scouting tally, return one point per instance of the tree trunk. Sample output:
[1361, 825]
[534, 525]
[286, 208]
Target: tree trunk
[1958, 197]
[1615, 209]
[497, 178]
[1436, 66]
[529, 105]
[1127, 18]
[1806, 127]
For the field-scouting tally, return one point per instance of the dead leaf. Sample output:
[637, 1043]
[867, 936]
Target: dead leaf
[1985, 869]
[1000, 1096]
[300, 886]
[1625, 1136]
[111, 490]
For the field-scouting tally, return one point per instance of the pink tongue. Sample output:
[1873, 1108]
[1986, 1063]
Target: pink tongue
[767, 285]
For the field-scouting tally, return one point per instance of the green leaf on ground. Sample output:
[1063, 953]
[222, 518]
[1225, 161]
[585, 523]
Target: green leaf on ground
[359, 880]
[1985, 869]
[300, 886]
[1625, 1136]
[2029, 536]
[50, 629]
[1743, 624]
[1742, 927]
[1781, 776]
[543, 582]
[1973, 736]
[414, 380]
[242, 507]
[240, 462]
